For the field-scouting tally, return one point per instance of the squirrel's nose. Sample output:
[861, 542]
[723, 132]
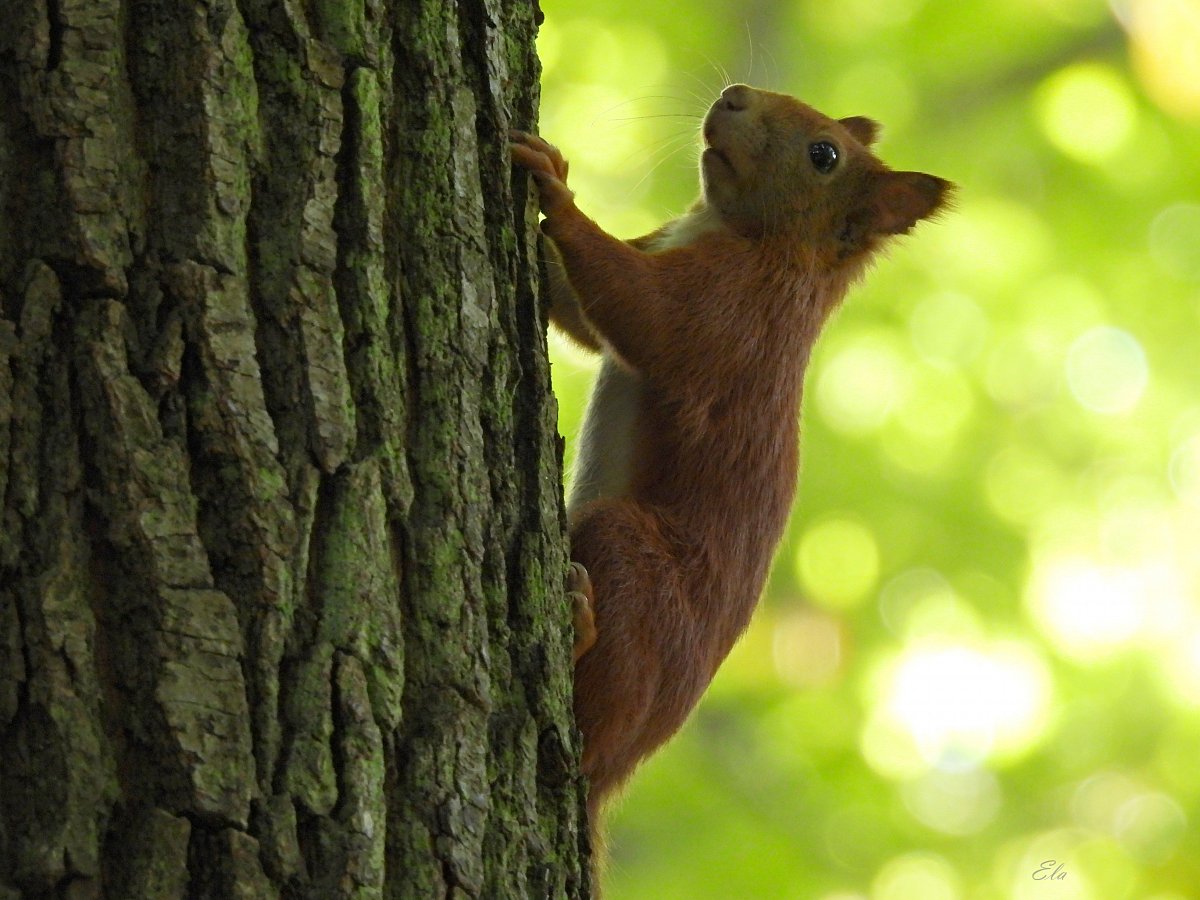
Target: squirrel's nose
[735, 97]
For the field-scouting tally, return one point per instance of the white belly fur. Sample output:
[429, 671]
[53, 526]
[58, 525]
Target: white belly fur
[605, 445]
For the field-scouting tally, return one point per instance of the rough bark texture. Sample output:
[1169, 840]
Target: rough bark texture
[281, 542]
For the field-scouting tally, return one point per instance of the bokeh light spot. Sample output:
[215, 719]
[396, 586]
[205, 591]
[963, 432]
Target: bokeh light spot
[1106, 370]
[838, 562]
[1175, 239]
[921, 603]
[860, 384]
[964, 703]
[1088, 609]
[1183, 668]
[807, 648]
[1087, 111]
[1166, 52]
[890, 749]
[904, 594]
[1096, 801]
[1184, 470]
[1150, 826]
[916, 876]
[958, 802]
[1057, 851]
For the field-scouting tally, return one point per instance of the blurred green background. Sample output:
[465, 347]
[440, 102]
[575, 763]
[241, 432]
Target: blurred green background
[980, 647]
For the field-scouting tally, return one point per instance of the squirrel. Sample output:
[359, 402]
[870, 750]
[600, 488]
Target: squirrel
[688, 456]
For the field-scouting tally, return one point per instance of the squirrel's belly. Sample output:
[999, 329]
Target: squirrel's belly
[604, 450]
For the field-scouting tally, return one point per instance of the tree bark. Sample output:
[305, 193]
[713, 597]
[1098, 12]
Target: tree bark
[281, 536]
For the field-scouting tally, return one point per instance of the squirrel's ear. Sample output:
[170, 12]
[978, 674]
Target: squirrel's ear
[904, 198]
[865, 130]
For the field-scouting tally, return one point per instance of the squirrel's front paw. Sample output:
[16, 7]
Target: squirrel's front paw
[546, 164]
[579, 590]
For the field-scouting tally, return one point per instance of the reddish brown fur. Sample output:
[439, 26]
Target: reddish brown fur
[719, 331]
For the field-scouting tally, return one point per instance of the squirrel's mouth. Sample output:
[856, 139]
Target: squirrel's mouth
[711, 153]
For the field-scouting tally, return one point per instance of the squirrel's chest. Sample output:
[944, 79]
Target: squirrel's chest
[604, 451]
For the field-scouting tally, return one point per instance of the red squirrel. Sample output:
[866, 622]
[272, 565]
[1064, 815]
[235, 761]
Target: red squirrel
[688, 457]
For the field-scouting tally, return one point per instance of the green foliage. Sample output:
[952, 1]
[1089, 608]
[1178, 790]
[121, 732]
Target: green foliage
[980, 647]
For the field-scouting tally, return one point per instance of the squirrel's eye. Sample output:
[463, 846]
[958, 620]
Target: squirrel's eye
[824, 156]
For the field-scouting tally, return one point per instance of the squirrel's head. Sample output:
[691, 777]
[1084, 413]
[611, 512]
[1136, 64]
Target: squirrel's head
[774, 166]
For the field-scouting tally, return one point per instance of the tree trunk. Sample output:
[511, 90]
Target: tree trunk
[282, 545]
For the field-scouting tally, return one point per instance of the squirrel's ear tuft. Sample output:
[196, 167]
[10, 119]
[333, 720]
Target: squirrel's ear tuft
[864, 130]
[904, 198]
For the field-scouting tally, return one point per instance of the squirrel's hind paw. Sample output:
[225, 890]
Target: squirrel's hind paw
[579, 590]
